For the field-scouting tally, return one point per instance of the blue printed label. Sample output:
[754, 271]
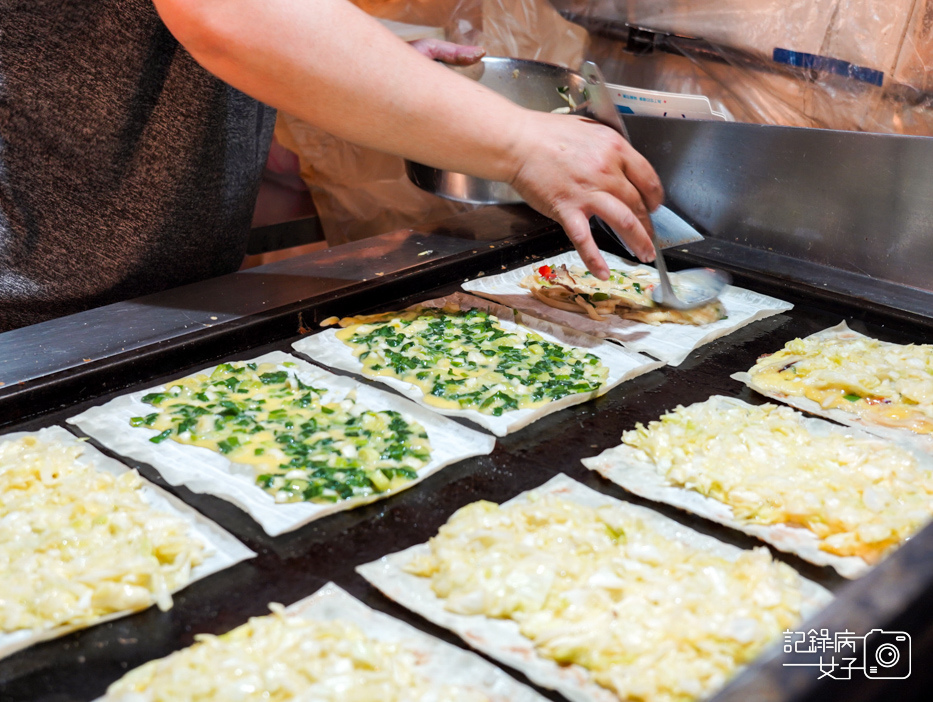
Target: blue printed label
[825, 64]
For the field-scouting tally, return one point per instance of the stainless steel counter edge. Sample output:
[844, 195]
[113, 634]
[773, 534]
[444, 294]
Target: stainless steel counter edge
[853, 201]
[68, 343]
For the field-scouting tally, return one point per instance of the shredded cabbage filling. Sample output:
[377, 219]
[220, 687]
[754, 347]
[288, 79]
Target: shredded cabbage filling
[859, 496]
[278, 658]
[650, 617]
[887, 384]
[77, 544]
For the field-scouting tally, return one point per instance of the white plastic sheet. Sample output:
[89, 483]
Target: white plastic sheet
[202, 470]
[222, 550]
[501, 638]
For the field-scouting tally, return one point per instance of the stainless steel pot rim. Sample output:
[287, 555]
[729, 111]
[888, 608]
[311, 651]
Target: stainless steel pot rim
[531, 84]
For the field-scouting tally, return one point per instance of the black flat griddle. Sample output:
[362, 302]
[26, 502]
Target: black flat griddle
[81, 665]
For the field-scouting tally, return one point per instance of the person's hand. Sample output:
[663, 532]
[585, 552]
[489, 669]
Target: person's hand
[566, 167]
[448, 52]
[571, 168]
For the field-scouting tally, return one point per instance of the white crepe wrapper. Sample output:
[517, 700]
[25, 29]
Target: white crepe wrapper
[668, 342]
[437, 661]
[923, 442]
[324, 347]
[631, 469]
[501, 638]
[203, 470]
[222, 550]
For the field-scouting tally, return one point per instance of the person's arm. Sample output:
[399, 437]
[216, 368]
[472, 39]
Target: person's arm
[330, 64]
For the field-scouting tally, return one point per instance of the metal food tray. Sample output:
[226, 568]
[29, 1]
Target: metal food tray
[54, 370]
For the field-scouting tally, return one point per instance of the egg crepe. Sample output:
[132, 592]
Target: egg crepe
[829, 494]
[204, 468]
[671, 343]
[626, 294]
[85, 540]
[592, 603]
[303, 445]
[328, 646]
[884, 388]
[477, 353]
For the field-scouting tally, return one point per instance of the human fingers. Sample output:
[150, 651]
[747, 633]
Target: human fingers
[635, 167]
[642, 175]
[572, 169]
[627, 189]
[448, 52]
[632, 198]
[577, 227]
[626, 224]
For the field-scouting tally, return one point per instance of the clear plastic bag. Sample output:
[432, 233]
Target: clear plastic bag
[360, 192]
[808, 63]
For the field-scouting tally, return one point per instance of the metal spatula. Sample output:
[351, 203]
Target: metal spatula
[695, 286]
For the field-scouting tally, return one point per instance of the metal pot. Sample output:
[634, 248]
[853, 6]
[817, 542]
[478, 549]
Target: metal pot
[531, 84]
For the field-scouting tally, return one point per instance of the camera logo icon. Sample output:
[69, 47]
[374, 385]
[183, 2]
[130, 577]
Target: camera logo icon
[887, 655]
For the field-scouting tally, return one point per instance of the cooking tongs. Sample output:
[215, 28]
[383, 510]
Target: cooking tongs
[695, 286]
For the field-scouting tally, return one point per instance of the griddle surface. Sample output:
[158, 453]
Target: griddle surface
[81, 665]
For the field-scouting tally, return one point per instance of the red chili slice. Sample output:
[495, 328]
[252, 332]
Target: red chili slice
[877, 401]
[546, 272]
